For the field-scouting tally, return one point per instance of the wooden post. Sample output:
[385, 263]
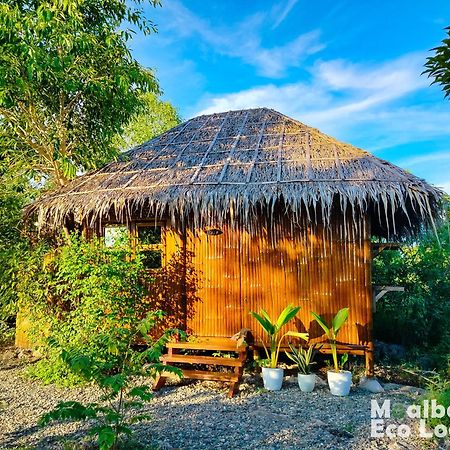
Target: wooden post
[368, 256]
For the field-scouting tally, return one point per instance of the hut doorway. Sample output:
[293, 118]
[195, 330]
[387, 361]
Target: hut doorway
[243, 271]
[217, 257]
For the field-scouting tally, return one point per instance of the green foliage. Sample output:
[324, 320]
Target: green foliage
[75, 294]
[86, 305]
[154, 118]
[14, 193]
[114, 372]
[422, 312]
[68, 82]
[438, 388]
[302, 357]
[273, 329]
[331, 332]
[438, 66]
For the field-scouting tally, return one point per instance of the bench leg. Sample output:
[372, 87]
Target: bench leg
[159, 382]
[370, 372]
[234, 389]
[239, 370]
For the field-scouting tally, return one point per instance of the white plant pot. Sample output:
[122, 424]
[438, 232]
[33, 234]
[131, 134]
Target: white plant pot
[272, 378]
[339, 382]
[306, 382]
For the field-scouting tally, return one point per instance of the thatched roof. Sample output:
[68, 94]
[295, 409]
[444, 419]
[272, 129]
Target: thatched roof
[236, 163]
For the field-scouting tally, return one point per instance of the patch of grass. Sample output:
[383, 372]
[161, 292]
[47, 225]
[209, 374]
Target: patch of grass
[439, 390]
[349, 427]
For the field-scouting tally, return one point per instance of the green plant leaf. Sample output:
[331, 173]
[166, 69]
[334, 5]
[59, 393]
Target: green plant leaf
[344, 359]
[140, 418]
[304, 336]
[286, 315]
[106, 436]
[267, 326]
[69, 411]
[321, 321]
[114, 382]
[143, 392]
[339, 319]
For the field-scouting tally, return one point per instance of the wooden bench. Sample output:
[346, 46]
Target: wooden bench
[174, 358]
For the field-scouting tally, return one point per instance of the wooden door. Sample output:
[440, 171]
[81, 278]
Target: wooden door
[215, 255]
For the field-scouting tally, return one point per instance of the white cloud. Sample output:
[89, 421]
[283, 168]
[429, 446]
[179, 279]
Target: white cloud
[243, 40]
[434, 166]
[446, 186]
[361, 88]
[273, 62]
[281, 14]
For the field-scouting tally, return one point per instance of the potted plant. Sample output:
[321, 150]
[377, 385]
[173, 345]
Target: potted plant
[271, 374]
[304, 360]
[339, 380]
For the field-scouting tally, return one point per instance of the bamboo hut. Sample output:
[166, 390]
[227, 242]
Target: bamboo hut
[267, 211]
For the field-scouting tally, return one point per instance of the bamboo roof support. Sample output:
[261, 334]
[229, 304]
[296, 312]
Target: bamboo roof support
[255, 154]
[208, 151]
[232, 150]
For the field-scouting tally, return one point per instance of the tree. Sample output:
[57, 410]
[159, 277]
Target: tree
[438, 66]
[68, 82]
[154, 118]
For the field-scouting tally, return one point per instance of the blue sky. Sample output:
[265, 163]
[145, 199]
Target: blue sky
[350, 68]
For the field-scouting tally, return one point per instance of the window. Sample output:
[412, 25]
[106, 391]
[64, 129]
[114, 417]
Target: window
[150, 245]
[115, 235]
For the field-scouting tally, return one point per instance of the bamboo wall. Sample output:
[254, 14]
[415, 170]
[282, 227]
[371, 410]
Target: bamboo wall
[319, 269]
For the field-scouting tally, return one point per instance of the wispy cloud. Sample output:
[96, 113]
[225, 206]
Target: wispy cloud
[357, 102]
[442, 157]
[437, 164]
[359, 88]
[282, 11]
[243, 40]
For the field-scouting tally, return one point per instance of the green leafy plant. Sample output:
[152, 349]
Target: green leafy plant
[304, 358]
[15, 192]
[423, 269]
[437, 66]
[156, 117]
[273, 331]
[66, 292]
[114, 372]
[331, 332]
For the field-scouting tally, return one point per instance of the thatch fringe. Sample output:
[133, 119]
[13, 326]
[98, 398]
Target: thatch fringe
[213, 169]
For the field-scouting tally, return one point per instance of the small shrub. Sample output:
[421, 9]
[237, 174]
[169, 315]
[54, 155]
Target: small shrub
[117, 372]
[75, 295]
[422, 312]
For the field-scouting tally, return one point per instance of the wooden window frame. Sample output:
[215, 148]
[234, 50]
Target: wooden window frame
[156, 247]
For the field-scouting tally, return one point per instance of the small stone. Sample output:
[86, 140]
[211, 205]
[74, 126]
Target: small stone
[320, 381]
[412, 390]
[371, 385]
[291, 379]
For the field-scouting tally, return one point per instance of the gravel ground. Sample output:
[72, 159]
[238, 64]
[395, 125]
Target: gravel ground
[194, 415]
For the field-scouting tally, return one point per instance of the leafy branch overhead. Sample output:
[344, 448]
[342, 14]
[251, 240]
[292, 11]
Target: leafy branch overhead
[438, 66]
[68, 82]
